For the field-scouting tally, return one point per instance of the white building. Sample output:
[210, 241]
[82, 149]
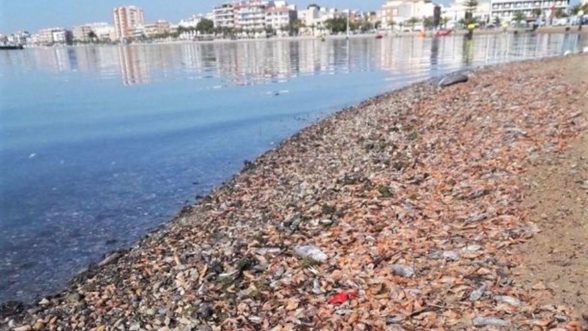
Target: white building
[191, 23]
[224, 16]
[126, 20]
[505, 9]
[456, 11]
[61, 36]
[17, 38]
[103, 31]
[250, 17]
[279, 17]
[81, 33]
[313, 19]
[396, 13]
[160, 27]
[52, 36]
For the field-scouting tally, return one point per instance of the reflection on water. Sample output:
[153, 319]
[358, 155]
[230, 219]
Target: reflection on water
[100, 144]
[244, 63]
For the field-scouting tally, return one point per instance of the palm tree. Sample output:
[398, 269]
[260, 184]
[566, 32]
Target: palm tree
[413, 21]
[497, 21]
[444, 21]
[295, 26]
[429, 22]
[92, 36]
[519, 17]
[391, 24]
[471, 7]
[537, 12]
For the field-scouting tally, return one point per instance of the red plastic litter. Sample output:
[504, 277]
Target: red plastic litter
[342, 297]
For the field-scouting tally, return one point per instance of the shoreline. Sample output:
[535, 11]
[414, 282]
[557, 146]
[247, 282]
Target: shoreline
[387, 34]
[218, 210]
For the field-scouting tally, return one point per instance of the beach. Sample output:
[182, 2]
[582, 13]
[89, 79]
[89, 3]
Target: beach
[408, 211]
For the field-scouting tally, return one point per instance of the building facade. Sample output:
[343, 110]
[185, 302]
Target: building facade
[103, 31]
[250, 16]
[396, 13]
[224, 16]
[505, 10]
[191, 23]
[81, 33]
[313, 19]
[51, 36]
[17, 38]
[160, 27]
[126, 20]
[456, 12]
[280, 16]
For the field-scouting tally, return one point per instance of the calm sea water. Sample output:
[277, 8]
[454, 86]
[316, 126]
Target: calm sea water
[100, 144]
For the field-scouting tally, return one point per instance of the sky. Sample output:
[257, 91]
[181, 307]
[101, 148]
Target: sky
[31, 15]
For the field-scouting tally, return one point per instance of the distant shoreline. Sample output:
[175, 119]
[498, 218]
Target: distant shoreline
[428, 34]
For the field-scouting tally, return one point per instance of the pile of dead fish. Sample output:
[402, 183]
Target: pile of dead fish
[400, 213]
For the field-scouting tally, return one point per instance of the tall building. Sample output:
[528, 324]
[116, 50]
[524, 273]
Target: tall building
[126, 19]
[506, 9]
[250, 16]
[224, 16]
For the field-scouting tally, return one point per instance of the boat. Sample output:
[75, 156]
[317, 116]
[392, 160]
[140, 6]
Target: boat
[11, 47]
[379, 36]
[443, 33]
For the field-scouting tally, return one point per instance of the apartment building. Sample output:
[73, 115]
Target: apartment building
[506, 9]
[397, 12]
[126, 20]
[103, 31]
[254, 16]
[191, 22]
[17, 38]
[224, 16]
[279, 16]
[456, 11]
[313, 19]
[52, 36]
[250, 16]
[81, 33]
[160, 27]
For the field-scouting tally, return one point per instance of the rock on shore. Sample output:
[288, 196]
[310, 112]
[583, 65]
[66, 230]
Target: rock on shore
[421, 189]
